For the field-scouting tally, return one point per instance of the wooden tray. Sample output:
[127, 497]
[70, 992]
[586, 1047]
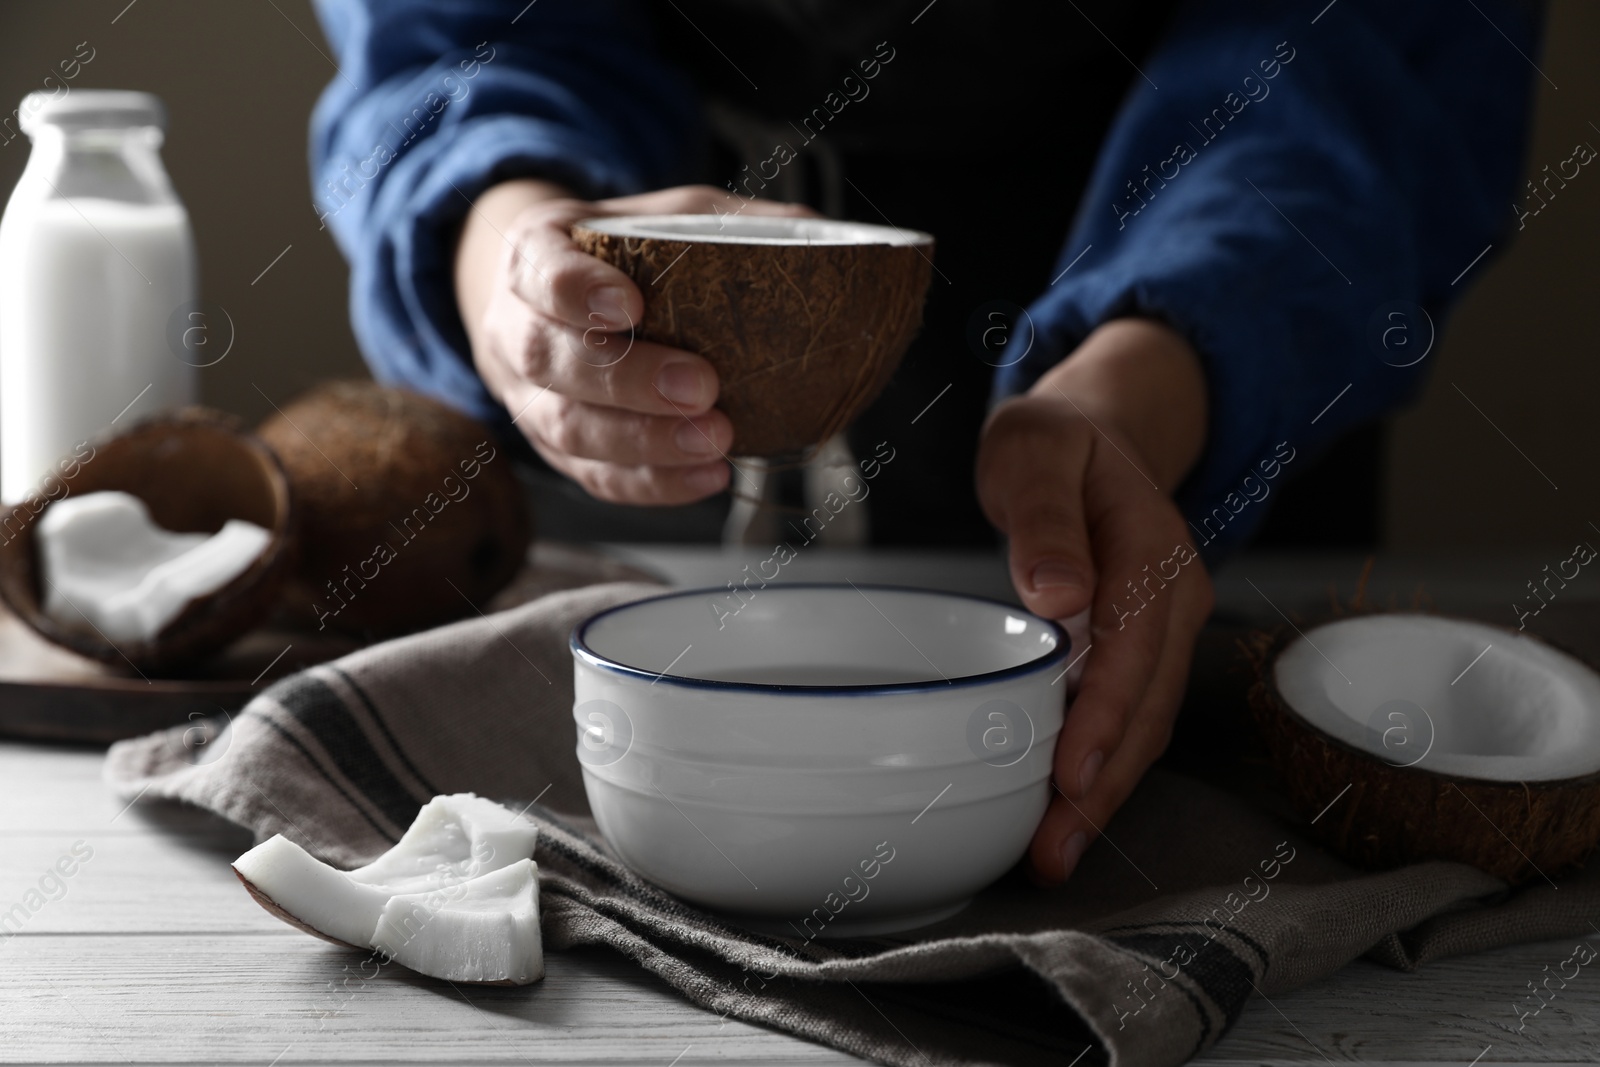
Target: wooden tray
[50, 694]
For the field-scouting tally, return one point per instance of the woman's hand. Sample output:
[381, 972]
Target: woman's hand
[628, 420]
[1076, 474]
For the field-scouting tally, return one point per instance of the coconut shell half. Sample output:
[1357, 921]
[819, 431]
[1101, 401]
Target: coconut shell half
[1401, 747]
[805, 320]
[194, 470]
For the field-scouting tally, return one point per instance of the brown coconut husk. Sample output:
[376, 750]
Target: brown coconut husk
[369, 465]
[803, 337]
[1391, 816]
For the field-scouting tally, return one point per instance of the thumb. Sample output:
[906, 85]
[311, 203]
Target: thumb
[1031, 473]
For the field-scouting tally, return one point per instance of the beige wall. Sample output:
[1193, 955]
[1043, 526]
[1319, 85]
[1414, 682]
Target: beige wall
[1523, 348]
[240, 77]
[239, 81]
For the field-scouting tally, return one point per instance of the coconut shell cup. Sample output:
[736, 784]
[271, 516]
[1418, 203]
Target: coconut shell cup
[1381, 812]
[194, 470]
[805, 320]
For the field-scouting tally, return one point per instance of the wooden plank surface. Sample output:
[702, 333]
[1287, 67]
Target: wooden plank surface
[238, 999]
[151, 953]
[1448, 1012]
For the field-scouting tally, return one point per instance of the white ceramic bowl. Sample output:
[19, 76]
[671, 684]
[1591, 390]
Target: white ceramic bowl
[835, 759]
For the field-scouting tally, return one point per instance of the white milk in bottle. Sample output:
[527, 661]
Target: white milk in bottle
[96, 257]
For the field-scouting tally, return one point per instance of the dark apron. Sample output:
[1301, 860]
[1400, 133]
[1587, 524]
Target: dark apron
[980, 125]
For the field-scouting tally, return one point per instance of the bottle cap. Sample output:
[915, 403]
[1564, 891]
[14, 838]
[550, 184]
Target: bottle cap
[82, 109]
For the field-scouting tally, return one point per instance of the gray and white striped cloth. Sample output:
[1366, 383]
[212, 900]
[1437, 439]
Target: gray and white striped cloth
[1135, 964]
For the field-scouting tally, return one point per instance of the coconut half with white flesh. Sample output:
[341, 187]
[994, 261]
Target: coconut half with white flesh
[448, 866]
[804, 319]
[110, 570]
[165, 544]
[1409, 737]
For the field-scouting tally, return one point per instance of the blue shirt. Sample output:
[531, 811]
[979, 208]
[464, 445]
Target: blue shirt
[1301, 190]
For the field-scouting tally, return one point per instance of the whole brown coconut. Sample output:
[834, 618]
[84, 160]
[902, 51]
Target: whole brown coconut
[1401, 746]
[805, 320]
[194, 469]
[410, 513]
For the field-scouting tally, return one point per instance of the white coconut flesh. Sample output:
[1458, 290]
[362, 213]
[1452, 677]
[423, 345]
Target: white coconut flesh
[453, 838]
[729, 228]
[1420, 690]
[486, 929]
[447, 865]
[105, 562]
[322, 897]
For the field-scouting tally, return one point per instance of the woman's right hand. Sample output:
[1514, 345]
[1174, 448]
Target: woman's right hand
[629, 420]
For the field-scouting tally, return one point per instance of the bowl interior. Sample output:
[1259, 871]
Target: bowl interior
[754, 229]
[820, 636]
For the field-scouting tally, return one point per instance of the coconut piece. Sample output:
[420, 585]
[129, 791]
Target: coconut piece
[484, 930]
[454, 841]
[453, 838]
[1441, 739]
[194, 472]
[307, 893]
[805, 320]
[108, 566]
[410, 511]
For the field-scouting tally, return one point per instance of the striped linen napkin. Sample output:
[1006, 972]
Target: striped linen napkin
[1147, 957]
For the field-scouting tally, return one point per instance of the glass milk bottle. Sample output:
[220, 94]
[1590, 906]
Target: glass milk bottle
[96, 257]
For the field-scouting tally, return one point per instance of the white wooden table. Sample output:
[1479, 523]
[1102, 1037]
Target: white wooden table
[150, 952]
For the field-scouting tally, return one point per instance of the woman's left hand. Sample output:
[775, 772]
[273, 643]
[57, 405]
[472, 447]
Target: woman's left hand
[1077, 475]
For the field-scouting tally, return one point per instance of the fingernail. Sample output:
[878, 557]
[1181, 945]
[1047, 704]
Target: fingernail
[610, 303]
[1057, 574]
[681, 383]
[1089, 771]
[695, 439]
[1072, 851]
[704, 479]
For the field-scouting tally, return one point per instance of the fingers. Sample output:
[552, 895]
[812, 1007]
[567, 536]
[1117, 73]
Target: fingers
[1073, 823]
[588, 431]
[641, 486]
[593, 366]
[558, 281]
[630, 421]
[615, 455]
[1031, 471]
[1087, 529]
[1116, 678]
[1145, 559]
[575, 306]
[655, 473]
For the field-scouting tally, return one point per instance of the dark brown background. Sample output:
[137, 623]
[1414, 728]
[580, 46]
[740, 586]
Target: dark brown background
[240, 78]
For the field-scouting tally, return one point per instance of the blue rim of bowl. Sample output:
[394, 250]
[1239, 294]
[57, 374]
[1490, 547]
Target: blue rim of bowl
[580, 647]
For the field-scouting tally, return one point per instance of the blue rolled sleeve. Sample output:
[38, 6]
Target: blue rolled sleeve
[1269, 186]
[434, 103]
